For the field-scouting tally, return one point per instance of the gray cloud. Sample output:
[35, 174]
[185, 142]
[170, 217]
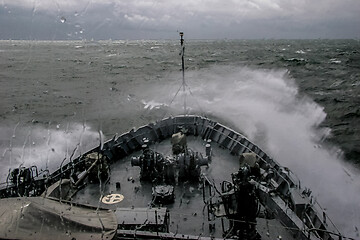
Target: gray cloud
[127, 19]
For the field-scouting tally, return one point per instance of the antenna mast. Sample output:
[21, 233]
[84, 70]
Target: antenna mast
[183, 68]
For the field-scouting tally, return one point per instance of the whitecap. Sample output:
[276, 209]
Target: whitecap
[335, 61]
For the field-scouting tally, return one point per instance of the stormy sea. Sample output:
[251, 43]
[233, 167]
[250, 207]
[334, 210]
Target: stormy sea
[299, 100]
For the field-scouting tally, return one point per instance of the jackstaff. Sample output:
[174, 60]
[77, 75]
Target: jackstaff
[183, 67]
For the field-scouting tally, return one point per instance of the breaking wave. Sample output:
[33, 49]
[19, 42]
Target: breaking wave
[266, 106]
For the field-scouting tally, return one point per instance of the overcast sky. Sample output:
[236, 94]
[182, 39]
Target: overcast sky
[161, 19]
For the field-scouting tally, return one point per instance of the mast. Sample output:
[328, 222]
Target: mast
[183, 68]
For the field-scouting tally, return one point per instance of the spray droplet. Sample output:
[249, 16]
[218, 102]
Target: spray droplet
[62, 19]
[76, 14]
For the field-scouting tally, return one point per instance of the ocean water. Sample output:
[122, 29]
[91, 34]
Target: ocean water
[297, 99]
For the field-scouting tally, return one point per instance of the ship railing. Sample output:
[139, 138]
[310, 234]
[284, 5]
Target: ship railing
[317, 204]
[130, 136]
[257, 154]
[309, 233]
[317, 230]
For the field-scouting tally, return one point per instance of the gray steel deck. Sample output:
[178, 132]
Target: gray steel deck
[188, 214]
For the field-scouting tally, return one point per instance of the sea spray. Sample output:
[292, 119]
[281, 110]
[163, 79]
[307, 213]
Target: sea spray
[46, 148]
[265, 105]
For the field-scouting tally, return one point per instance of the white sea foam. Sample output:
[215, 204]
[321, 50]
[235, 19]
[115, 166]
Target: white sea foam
[45, 148]
[152, 104]
[266, 106]
[335, 61]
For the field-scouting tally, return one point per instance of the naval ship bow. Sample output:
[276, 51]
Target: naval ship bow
[182, 177]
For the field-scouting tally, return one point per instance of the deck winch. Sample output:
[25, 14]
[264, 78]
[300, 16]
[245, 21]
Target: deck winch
[154, 167]
[189, 164]
[184, 165]
[180, 167]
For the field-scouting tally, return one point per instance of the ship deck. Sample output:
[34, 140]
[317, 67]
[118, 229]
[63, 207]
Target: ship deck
[188, 213]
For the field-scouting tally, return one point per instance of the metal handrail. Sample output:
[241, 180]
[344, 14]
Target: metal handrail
[329, 232]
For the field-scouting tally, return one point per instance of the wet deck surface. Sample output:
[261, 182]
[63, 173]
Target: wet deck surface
[188, 213]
